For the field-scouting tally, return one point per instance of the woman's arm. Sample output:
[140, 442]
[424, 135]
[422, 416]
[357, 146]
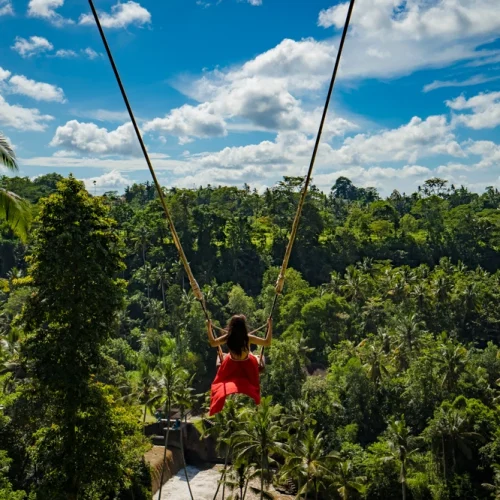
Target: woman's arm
[212, 340]
[269, 336]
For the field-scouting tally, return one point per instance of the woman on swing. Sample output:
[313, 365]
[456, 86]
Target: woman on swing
[238, 371]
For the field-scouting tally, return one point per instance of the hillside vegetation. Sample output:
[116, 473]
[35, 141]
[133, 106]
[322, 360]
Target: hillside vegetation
[383, 377]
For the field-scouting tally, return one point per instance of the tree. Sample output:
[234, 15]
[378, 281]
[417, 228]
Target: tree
[185, 400]
[449, 434]
[260, 439]
[400, 444]
[171, 378]
[308, 463]
[347, 481]
[13, 209]
[78, 447]
[147, 389]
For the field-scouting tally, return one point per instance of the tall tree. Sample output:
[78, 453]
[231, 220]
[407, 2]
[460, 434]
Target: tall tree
[74, 265]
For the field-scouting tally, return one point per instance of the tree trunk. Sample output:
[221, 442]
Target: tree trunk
[163, 295]
[163, 465]
[445, 472]
[184, 462]
[246, 488]
[403, 480]
[262, 477]
[223, 474]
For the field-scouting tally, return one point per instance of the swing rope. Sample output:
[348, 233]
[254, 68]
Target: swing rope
[194, 284]
[293, 234]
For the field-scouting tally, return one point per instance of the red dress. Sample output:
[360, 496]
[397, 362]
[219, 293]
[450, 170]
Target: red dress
[233, 377]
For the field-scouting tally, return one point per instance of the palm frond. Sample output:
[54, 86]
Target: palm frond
[16, 212]
[7, 155]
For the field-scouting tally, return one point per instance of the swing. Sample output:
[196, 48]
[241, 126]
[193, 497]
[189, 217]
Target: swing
[234, 376]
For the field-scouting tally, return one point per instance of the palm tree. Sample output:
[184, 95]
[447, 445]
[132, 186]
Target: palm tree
[400, 444]
[226, 423]
[345, 480]
[375, 363]
[260, 438]
[448, 432]
[452, 359]
[308, 463]
[13, 209]
[147, 389]
[297, 420]
[171, 378]
[184, 399]
[141, 239]
[162, 276]
[409, 329]
[155, 314]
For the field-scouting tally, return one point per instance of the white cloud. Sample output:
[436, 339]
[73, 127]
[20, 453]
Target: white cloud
[487, 150]
[434, 33]
[46, 9]
[18, 117]
[34, 46]
[409, 142]
[378, 177]
[89, 138]
[39, 91]
[276, 91]
[110, 181]
[474, 80]
[66, 54]
[255, 3]
[188, 121]
[90, 53]
[485, 109]
[68, 159]
[121, 16]
[102, 115]
[4, 74]
[6, 8]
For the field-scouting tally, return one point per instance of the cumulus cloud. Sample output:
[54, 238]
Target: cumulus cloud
[484, 107]
[378, 177]
[34, 46]
[121, 16]
[434, 33]
[66, 54]
[39, 91]
[474, 80]
[88, 138]
[4, 74]
[26, 119]
[90, 53]
[102, 115]
[6, 8]
[110, 181]
[274, 92]
[46, 9]
[407, 143]
[188, 121]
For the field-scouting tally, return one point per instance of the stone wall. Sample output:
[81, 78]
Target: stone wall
[154, 458]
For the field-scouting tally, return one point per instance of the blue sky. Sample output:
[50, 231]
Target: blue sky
[230, 91]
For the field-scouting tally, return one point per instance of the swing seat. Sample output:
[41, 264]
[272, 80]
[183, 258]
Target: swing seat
[235, 377]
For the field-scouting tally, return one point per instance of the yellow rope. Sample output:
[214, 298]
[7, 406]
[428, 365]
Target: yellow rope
[194, 284]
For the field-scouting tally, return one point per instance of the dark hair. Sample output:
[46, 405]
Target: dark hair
[237, 334]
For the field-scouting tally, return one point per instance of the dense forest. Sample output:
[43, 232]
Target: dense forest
[383, 380]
